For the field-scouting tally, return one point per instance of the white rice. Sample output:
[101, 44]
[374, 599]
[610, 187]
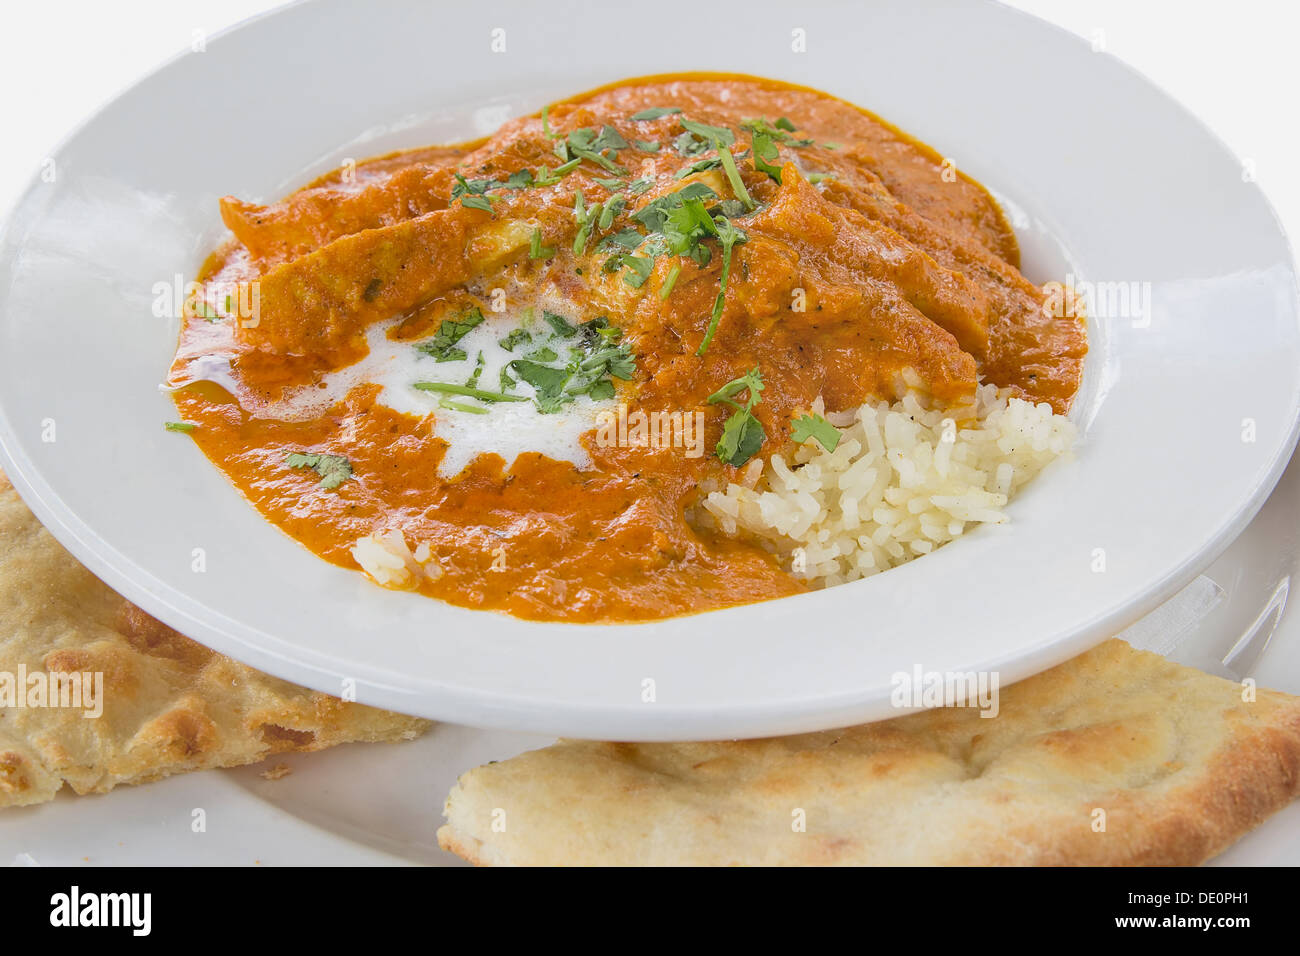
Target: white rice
[387, 559]
[903, 480]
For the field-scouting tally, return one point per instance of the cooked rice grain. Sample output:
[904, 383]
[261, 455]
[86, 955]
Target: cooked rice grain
[903, 480]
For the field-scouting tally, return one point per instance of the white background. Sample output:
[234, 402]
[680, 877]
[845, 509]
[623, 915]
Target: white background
[1233, 65]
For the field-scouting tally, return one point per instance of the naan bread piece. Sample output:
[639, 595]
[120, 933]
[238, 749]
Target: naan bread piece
[1173, 762]
[169, 705]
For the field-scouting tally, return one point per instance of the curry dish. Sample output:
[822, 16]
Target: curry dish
[410, 363]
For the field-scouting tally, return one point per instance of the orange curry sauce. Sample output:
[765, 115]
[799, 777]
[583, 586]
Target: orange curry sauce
[892, 264]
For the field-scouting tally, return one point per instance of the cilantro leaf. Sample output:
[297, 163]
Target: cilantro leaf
[560, 324]
[332, 469]
[549, 177]
[586, 144]
[742, 433]
[729, 236]
[535, 248]
[514, 339]
[479, 361]
[710, 162]
[654, 113]
[766, 157]
[666, 289]
[442, 346]
[733, 177]
[609, 138]
[814, 426]
[447, 388]
[627, 238]
[639, 269]
[716, 134]
[742, 437]
[611, 212]
[548, 382]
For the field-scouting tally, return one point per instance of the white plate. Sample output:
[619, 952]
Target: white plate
[1105, 178]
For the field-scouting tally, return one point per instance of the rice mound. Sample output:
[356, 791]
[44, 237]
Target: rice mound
[903, 480]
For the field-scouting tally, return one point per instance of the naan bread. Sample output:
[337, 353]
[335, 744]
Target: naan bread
[1174, 763]
[169, 704]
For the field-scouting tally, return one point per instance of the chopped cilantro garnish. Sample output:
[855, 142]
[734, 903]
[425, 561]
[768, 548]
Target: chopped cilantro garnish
[742, 433]
[640, 186]
[472, 192]
[186, 427]
[654, 214]
[442, 346]
[549, 177]
[586, 217]
[332, 469]
[535, 248]
[654, 113]
[514, 339]
[543, 354]
[462, 407]
[716, 134]
[560, 324]
[639, 269]
[710, 162]
[814, 426]
[609, 138]
[546, 122]
[595, 357]
[777, 132]
[733, 177]
[646, 145]
[613, 185]
[472, 381]
[587, 144]
[612, 208]
[667, 288]
[815, 178]
[728, 236]
[477, 202]
[627, 238]
[519, 180]
[482, 395]
[785, 124]
[766, 156]
[547, 381]
[688, 144]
